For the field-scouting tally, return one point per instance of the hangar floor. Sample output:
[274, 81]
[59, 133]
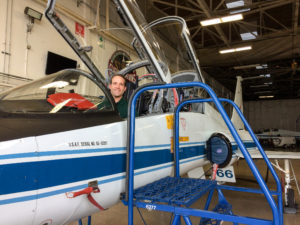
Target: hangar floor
[244, 204]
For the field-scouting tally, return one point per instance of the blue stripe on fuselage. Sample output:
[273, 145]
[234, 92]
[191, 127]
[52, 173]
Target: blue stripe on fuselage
[247, 145]
[81, 151]
[20, 177]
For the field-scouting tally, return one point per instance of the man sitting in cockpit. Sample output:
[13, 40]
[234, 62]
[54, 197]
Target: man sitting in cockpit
[117, 88]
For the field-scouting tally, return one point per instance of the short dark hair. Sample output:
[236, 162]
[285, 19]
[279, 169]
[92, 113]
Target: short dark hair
[117, 75]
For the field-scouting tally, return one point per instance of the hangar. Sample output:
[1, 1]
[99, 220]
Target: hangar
[68, 71]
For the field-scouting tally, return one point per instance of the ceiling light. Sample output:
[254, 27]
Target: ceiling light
[210, 22]
[265, 75]
[262, 66]
[258, 85]
[253, 78]
[227, 51]
[243, 48]
[266, 96]
[224, 19]
[246, 66]
[232, 18]
[235, 49]
[262, 92]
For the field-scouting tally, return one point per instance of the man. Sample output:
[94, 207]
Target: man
[117, 88]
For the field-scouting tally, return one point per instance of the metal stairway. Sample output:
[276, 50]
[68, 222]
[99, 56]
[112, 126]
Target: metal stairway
[176, 194]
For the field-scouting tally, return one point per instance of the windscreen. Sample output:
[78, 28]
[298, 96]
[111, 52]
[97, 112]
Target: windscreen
[66, 91]
[168, 39]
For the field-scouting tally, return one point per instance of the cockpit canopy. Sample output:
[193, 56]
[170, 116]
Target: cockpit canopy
[68, 90]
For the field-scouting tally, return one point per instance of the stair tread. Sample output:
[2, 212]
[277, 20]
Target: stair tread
[174, 190]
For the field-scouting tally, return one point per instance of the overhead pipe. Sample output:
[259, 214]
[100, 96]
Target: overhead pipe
[7, 42]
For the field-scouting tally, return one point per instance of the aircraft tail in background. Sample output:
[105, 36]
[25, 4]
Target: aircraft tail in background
[238, 100]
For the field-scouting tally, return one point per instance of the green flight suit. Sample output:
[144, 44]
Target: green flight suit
[121, 106]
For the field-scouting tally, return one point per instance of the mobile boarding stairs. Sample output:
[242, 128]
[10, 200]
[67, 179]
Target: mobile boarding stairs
[176, 194]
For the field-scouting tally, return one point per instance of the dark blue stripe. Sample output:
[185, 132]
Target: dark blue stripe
[247, 145]
[81, 151]
[20, 177]
[29, 176]
[74, 188]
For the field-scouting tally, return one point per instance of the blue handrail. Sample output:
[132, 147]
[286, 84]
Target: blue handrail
[246, 154]
[131, 141]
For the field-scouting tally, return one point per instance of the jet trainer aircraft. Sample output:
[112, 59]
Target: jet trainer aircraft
[62, 158]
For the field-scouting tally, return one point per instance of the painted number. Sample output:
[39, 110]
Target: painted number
[150, 207]
[226, 173]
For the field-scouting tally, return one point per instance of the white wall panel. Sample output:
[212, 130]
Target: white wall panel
[28, 50]
[281, 114]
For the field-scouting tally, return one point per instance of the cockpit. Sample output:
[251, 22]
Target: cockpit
[71, 91]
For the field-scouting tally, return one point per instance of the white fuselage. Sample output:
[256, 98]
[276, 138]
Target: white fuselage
[51, 165]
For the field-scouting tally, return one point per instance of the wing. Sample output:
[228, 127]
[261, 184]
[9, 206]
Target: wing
[255, 154]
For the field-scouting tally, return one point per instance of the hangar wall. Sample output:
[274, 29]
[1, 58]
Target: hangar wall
[280, 114]
[24, 53]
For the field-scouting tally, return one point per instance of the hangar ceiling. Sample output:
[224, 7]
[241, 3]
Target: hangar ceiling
[270, 27]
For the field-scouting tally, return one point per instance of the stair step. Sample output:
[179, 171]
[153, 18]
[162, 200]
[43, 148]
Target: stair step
[174, 190]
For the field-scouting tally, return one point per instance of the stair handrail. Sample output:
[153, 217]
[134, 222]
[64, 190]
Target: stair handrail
[243, 149]
[131, 143]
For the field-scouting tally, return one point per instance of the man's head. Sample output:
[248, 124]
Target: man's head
[117, 87]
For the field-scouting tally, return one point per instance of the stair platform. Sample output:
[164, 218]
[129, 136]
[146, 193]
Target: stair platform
[174, 190]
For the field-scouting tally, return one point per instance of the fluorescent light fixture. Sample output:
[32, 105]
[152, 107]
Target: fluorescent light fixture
[253, 78]
[265, 75]
[231, 18]
[262, 92]
[262, 66]
[245, 67]
[227, 51]
[210, 22]
[266, 96]
[243, 48]
[268, 83]
[224, 19]
[235, 49]
[259, 86]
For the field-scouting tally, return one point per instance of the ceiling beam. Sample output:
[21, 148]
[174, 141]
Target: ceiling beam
[178, 6]
[193, 3]
[255, 8]
[276, 21]
[295, 17]
[220, 4]
[209, 15]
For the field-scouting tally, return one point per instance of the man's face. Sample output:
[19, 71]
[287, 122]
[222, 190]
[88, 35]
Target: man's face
[117, 86]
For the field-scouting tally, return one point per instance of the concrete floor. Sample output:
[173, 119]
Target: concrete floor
[244, 204]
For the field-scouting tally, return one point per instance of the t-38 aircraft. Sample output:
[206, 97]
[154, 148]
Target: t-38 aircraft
[57, 147]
